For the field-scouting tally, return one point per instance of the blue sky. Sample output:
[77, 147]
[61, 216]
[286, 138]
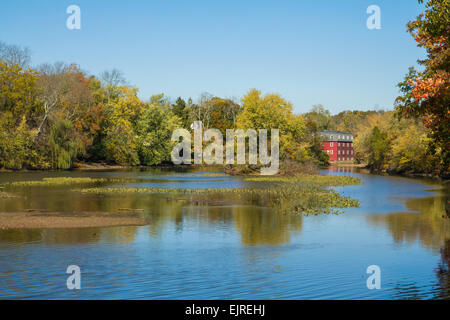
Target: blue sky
[310, 52]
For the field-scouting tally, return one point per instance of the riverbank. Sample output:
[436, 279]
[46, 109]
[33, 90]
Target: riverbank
[239, 170]
[53, 220]
[444, 178]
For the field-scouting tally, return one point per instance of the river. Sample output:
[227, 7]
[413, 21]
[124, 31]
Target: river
[230, 250]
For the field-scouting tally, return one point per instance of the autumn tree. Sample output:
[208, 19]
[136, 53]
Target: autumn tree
[69, 110]
[18, 103]
[215, 112]
[16, 143]
[273, 112]
[18, 90]
[321, 117]
[121, 114]
[426, 94]
[15, 55]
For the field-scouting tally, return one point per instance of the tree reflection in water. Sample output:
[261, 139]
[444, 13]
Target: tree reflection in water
[428, 221]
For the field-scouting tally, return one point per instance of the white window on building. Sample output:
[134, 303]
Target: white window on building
[331, 144]
[331, 151]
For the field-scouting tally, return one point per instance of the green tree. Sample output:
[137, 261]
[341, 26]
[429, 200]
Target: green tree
[154, 130]
[316, 151]
[64, 144]
[183, 111]
[378, 149]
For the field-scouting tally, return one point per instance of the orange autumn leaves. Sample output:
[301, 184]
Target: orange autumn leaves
[426, 94]
[426, 88]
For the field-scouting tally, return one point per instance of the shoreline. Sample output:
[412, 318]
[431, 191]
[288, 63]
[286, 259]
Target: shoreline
[64, 220]
[101, 166]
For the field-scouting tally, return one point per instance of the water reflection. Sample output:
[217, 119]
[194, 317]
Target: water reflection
[265, 227]
[206, 247]
[256, 224]
[426, 221]
[443, 272]
[68, 236]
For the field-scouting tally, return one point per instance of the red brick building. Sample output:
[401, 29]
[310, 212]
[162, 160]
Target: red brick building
[338, 145]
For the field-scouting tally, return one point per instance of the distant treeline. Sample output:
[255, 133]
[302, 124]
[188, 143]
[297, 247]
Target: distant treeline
[55, 115]
[386, 141]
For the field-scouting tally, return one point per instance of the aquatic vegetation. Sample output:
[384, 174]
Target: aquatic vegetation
[286, 198]
[307, 194]
[4, 195]
[61, 181]
[203, 175]
[66, 181]
[322, 180]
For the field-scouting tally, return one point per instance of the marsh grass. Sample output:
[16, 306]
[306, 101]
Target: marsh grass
[322, 180]
[4, 195]
[68, 181]
[305, 194]
[203, 175]
[299, 195]
[63, 181]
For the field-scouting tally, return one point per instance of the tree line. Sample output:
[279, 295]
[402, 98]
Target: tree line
[56, 115]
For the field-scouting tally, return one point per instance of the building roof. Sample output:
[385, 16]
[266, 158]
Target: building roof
[333, 132]
[336, 136]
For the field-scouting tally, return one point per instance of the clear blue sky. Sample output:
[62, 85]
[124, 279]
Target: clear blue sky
[308, 51]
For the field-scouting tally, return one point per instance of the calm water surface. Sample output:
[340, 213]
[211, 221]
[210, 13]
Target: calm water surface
[223, 249]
